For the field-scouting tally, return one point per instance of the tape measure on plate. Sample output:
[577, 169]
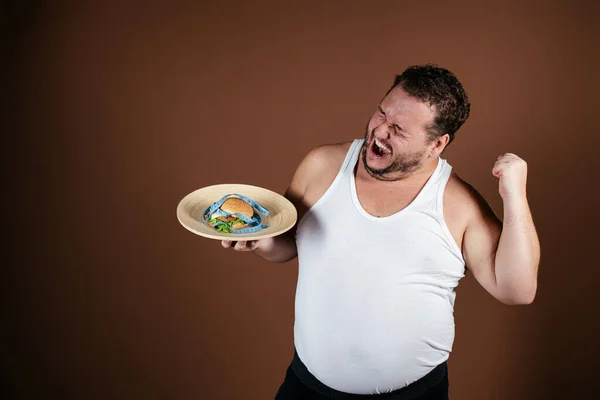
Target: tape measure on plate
[254, 223]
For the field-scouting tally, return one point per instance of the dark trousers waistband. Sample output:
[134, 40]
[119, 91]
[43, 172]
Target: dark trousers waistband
[438, 376]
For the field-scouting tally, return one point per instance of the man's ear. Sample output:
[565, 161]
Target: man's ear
[439, 144]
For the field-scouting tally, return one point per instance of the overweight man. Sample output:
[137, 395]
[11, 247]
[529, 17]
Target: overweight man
[385, 232]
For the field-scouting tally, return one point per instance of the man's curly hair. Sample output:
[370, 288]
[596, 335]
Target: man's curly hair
[439, 88]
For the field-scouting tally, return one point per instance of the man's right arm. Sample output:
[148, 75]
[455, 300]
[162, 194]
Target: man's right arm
[282, 248]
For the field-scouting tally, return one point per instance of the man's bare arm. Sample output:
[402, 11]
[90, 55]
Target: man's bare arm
[504, 257]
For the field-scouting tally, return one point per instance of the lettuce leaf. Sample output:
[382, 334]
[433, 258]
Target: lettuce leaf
[226, 226]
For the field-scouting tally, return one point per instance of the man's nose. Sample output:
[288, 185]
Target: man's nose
[382, 130]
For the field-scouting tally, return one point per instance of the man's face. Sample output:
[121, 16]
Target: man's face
[396, 140]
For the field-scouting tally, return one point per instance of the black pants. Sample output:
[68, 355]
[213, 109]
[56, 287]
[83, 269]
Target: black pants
[300, 384]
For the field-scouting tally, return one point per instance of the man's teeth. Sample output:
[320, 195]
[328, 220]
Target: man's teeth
[383, 147]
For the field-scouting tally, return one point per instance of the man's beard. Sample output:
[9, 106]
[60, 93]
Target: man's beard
[404, 164]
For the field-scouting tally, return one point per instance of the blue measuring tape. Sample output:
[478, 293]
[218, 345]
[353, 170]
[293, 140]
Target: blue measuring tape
[254, 223]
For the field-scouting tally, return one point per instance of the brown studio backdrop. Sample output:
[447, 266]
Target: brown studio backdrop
[121, 109]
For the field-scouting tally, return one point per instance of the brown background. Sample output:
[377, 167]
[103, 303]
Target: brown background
[116, 111]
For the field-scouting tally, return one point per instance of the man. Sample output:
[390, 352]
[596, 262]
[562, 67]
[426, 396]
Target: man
[385, 233]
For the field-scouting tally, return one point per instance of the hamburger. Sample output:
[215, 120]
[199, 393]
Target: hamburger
[231, 206]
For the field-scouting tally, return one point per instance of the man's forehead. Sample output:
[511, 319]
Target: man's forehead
[394, 106]
[399, 103]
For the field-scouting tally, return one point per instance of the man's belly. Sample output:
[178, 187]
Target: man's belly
[366, 339]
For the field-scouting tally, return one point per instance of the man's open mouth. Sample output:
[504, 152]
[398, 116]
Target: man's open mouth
[380, 149]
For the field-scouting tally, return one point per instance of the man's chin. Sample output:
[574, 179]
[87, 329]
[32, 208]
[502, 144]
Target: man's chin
[379, 163]
[377, 171]
[389, 171]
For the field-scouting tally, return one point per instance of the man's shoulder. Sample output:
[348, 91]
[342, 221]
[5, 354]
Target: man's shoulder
[327, 156]
[458, 188]
[317, 171]
[320, 163]
[463, 197]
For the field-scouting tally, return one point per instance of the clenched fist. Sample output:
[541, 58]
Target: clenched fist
[512, 172]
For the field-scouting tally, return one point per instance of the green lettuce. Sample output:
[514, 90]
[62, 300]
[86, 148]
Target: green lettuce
[225, 226]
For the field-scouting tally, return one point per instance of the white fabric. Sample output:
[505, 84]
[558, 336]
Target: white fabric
[375, 296]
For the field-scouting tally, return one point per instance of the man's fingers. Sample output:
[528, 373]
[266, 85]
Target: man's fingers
[246, 245]
[241, 245]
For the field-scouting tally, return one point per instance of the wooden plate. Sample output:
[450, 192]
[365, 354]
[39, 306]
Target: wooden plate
[282, 213]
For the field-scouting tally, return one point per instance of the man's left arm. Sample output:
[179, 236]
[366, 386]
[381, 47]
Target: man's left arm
[504, 257]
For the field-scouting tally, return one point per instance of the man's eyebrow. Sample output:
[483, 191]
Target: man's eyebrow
[396, 125]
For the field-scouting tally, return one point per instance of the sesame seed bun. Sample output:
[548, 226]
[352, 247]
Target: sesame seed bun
[235, 205]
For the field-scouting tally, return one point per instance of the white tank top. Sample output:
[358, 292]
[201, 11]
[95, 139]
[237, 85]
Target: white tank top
[375, 296]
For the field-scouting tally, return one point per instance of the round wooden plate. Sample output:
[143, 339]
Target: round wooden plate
[282, 213]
